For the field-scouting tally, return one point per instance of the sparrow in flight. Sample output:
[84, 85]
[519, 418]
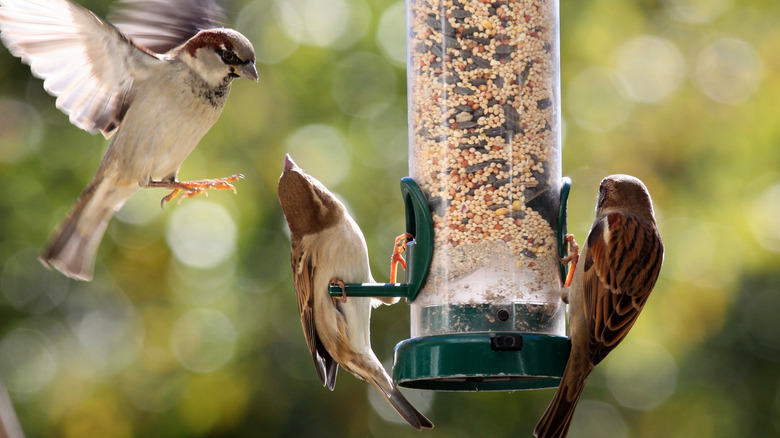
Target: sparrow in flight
[154, 81]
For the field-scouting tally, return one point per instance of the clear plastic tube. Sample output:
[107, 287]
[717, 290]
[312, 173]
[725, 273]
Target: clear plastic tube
[484, 110]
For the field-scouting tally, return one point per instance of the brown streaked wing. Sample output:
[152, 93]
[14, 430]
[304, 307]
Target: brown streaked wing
[618, 278]
[303, 275]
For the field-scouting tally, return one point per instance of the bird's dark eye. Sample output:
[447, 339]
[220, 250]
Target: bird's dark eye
[228, 56]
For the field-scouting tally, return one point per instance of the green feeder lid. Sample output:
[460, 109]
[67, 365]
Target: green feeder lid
[503, 361]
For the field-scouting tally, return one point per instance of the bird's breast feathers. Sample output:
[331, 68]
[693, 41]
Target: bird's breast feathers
[341, 252]
[154, 144]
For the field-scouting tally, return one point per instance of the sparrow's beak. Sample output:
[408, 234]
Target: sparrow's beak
[289, 164]
[247, 71]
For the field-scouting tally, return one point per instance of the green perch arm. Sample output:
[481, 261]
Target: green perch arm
[419, 251]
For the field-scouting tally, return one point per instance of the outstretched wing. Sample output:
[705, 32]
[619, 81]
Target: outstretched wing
[161, 25]
[84, 61]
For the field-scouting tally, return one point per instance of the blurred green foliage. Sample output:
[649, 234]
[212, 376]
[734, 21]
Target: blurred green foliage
[681, 93]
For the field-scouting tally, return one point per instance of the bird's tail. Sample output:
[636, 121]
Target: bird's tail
[73, 247]
[409, 413]
[393, 395]
[557, 418]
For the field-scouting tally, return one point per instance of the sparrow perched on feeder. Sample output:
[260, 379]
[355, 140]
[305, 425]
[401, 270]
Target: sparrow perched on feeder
[617, 269]
[156, 82]
[329, 248]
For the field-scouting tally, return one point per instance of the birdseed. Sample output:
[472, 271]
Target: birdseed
[485, 149]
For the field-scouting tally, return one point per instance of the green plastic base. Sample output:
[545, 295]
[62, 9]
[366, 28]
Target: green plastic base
[481, 361]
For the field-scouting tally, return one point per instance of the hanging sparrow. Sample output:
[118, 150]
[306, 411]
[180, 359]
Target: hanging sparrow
[617, 270]
[328, 248]
[156, 81]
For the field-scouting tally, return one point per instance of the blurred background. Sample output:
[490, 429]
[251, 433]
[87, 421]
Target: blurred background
[190, 327]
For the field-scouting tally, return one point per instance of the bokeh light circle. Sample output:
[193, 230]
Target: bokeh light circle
[28, 361]
[21, 130]
[141, 208]
[29, 286]
[361, 81]
[762, 214]
[641, 374]
[594, 101]
[696, 11]
[335, 23]
[203, 340]
[261, 22]
[728, 71]
[321, 151]
[592, 418]
[650, 68]
[391, 33]
[201, 234]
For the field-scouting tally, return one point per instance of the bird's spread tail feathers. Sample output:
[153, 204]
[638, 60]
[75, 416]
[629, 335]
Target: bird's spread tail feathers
[73, 247]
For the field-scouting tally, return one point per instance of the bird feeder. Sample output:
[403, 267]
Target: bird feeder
[486, 203]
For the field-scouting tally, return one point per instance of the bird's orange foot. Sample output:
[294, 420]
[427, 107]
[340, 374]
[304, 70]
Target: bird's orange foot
[338, 282]
[194, 188]
[573, 257]
[396, 258]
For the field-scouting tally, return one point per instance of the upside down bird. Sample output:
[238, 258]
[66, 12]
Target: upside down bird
[329, 248]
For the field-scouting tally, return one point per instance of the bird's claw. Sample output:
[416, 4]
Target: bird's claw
[189, 189]
[573, 257]
[340, 283]
[398, 248]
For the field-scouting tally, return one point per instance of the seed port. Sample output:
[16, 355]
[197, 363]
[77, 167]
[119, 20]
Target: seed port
[506, 342]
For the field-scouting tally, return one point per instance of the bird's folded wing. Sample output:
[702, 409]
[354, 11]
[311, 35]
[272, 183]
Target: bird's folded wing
[619, 276]
[303, 275]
